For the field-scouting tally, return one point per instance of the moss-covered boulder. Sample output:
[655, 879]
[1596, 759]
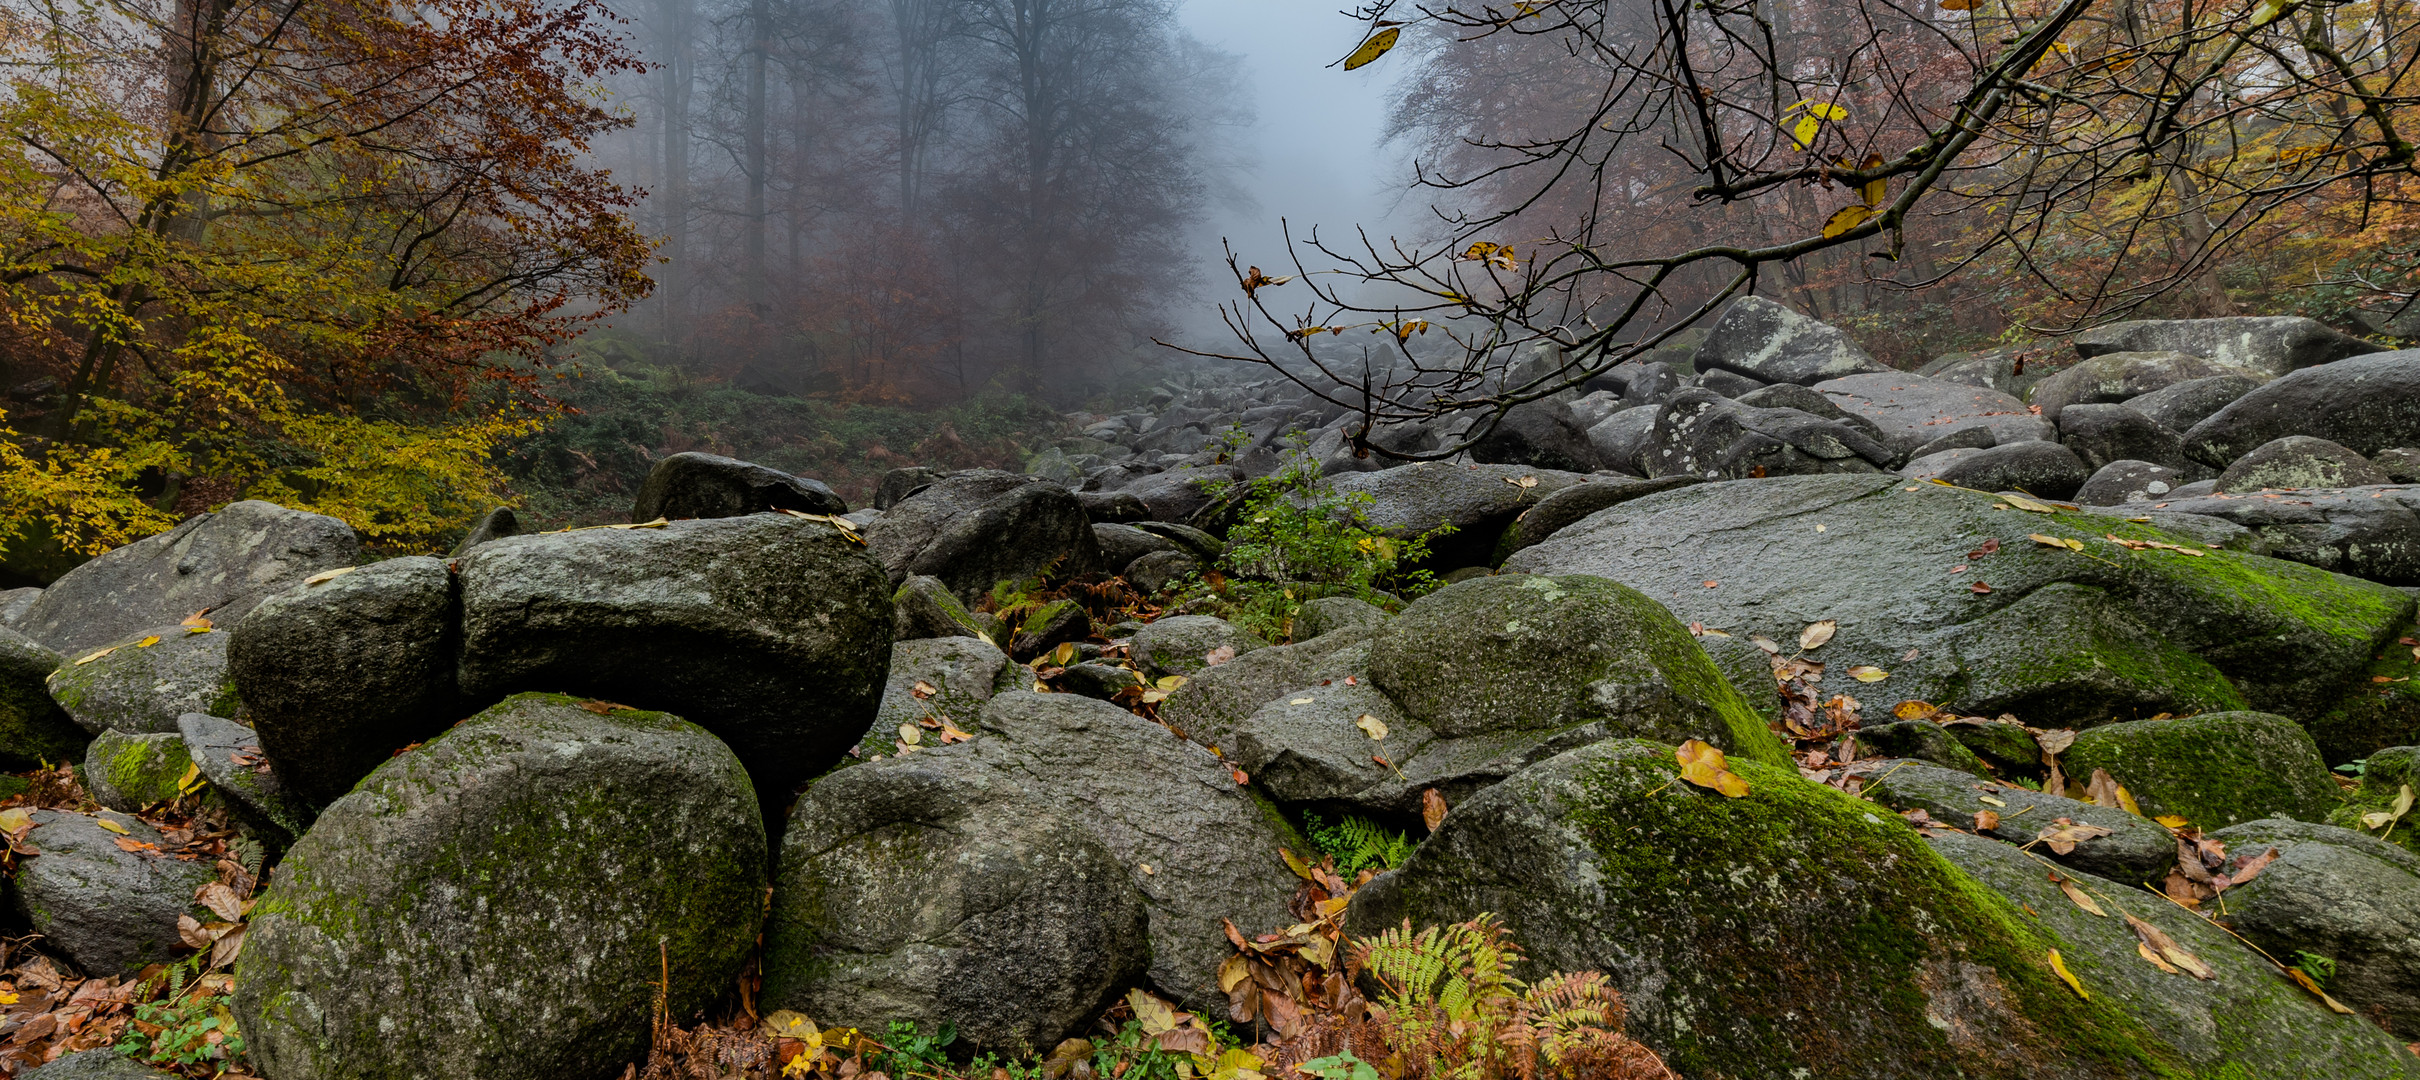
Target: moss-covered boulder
[875, 837]
[1922, 740]
[130, 772]
[1212, 703]
[111, 910]
[2136, 849]
[1794, 932]
[1535, 654]
[229, 757]
[497, 902]
[2247, 1021]
[2339, 895]
[142, 688]
[103, 1064]
[2063, 636]
[2213, 770]
[34, 731]
[923, 607]
[2381, 710]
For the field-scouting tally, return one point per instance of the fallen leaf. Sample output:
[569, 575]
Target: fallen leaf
[2307, 983]
[1990, 546]
[325, 576]
[221, 901]
[911, 734]
[2168, 949]
[195, 621]
[16, 819]
[2172, 821]
[1711, 583]
[1432, 809]
[1371, 726]
[2250, 868]
[1241, 777]
[1868, 673]
[603, 707]
[94, 655]
[131, 845]
[951, 734]
[2028, 505]
[2144, 950]
[1914, 710]
[1989, 801]
[2067, 976]
[2063, 835]
[1705, 766]
[2054, 740]
[1986, 820]
[2076, 895]
[1978, 588]
[1817, 634]
[1219, 655]
[114, 827]
[923, 690]
[1301, 870]
[148, 642]
[1300, 701]
[1765, 643]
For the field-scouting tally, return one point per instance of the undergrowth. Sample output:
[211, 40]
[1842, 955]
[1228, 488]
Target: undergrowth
[1357, 843]
[1297, 539]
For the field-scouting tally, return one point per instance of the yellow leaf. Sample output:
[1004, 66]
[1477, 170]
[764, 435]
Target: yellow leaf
[2056, 542]
[2307, 983]
[2268, 11]
[2077, 896]
[1705, 766]
[2126, 801]
[2067, 976]
[1170, 682]
[1846, 218]
[94, 655]
[1817, 634]
[1868, 673]
[1875, 191]
[2028, 505]
[325, 576]
[2172, 821]
[1156, 1015]
[1804, 131]
[910, 734]
[16, 819]
[2143, 949]
[1372, 49]
[114, 827]
[1371, 726]
[1232, 972]
[1298, 701]
[148, 642]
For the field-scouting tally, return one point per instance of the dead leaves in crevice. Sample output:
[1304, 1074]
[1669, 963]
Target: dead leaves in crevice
[2204, 870]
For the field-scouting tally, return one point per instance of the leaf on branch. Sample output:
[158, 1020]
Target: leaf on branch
[1254, 280]
[1373, 48]
[1846, 218]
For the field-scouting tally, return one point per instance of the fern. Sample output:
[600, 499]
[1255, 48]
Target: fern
[1452, 1009]
[1358, 843]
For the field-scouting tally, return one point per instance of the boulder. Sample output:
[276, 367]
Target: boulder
[1173, 823]
[923, 607]
[1621, 440]
[1701, 435]
[2121, 482]
[2267, 345]
[2042, 469]
[103, 1064]
[1160, 569]
[1113, 507]
[34, 731]
[110, 910]
[222, 563]
[1705, 910]
[2214, 770]
[1970, 437]
[2371, 533]
[946, 678]
[2185, 404]
[128, 773]
[1729, 384]
[2401, 464]
[1911, 410]
[1123, 544]
[2136, 849]
[1178, 494]
[2335, 893]
[2009, 369]
[770, 631]
[336, 676]
[1329, 614]
[695, 485]
[2248, 1021]
[2113, 378]
[1040, 629]
[1183, 644]
[1921, 740]
[978, 528]
[230, 757]
[1770, 343]
[2300, 461]
[14, 603]
[1207, 708]
[1310, 746]
[1478, 500]
[1578, 501]
[144, 688]
[2100, 434]
[2058, 639]
[1518, 654]
[1542, 434]
[2366, 404]
[496, 524]
[532, 870]
[898, 484]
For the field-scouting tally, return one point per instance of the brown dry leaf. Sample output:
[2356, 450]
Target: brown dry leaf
[923, 690]
[227, 948]
[2067, 976]
[2144, 950]
[1986, 820]
[1219, 655]
[221, 901]
[2063, 835]
[2077, 895]
[2166, 946]
[1978, 588]
[2247, 869]
[1371, 726]
[2054, 740]
[1988, 547]
[1765, 643]
[1818, 633]
[2307, 983]
[1705, 766]
[1432, 809]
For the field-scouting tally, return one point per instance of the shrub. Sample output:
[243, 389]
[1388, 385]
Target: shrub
[1297, 539]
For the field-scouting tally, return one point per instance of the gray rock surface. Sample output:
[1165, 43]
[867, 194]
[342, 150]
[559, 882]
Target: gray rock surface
[2247, 1018]
[923, 607]
[14, 603]
[1181, 645]
[1770, 343]
[1564, 507]
[336, 676]
[1701, 435]
[1209, 705]
[1970, 437]
[1113, 507]
[1178, 494]
[531, 870]
[2111, 378]
[961, 673]
[33, 729]
[130, 773]
[2339, 894]
[2059, 638]
[2100, 434]
[770, 631]
[2367, 403]
[1911, 410]
[2185, 404]
[1160, 569]
[695, 485]
[2300, 461]
[103, 1064]
[1479, 501]
[898, 484]
[143, 689]
[2401, 464]
[1121, 545]
[223, 563]
[1148, 799]
[1622, 439]
[110, 910]
[2136, 850]
[1333, 613]
[495, 525]
[2268, 345]
[971, 518]
[2009, 369]
[2043, 469]
[1541, 434]
[2372, 533]
[230, 757]
[2121, 482]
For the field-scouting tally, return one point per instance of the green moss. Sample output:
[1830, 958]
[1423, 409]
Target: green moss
[1743, 889]
[2381, 708]
[2214, 770]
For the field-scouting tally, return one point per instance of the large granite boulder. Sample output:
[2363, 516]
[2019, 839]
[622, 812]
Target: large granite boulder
[2136, 849]
[143, 688]
[2366, 404]
[1578, 501]
[1729, 922]
[111, 910]
[1621, 440]
[1702, 435]
[1911, 410]
[503, 902]
[339, 674]
[695, 485]
[1178, 494]
[2371, 532]
[2128, 481]
[2300, 461]
[2246, 1021]
[2043, 469]
[34, 731]
[2215, 769]
[2338, 894]
[2060, 636]
[2185, 404]
[132, 773]
[772, 632]
[1168, 815]
[1479, 501]
[2113, 378]
[2009, 369]
[1770, 343]
[2270, 345]
[1186, 644]
[1542, 434]
[981, 527]
[2100, 434]
[222, 563]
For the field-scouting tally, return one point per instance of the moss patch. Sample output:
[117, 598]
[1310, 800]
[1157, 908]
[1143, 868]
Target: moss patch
[2214, 770]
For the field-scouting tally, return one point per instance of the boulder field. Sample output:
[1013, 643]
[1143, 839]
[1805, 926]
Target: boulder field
[2061, 697]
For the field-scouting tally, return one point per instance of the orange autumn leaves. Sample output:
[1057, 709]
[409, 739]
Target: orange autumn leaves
[1705, 766]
